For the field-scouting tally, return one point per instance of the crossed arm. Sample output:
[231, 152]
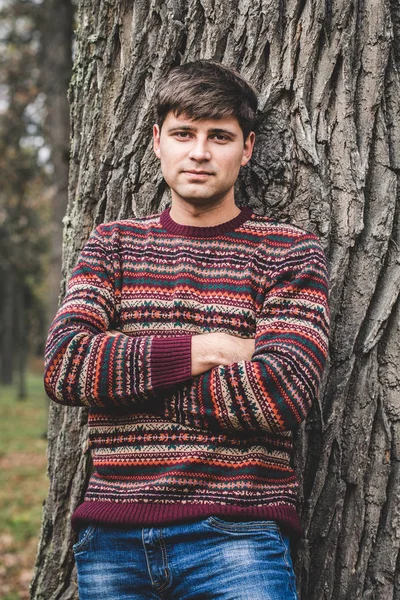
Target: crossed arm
[266, 384]
[208, 350]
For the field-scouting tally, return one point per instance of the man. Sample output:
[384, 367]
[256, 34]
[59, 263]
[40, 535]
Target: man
[198, 338]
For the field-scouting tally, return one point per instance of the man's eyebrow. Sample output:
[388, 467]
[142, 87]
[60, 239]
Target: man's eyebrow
[214, 130]
[181, 128]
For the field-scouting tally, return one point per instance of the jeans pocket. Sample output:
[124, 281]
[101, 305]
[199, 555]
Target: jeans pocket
[85, 537]
[243, 526]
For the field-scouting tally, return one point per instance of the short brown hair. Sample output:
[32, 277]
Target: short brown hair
[205, 89]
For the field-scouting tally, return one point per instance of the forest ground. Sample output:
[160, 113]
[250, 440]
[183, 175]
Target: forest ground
[23, 482]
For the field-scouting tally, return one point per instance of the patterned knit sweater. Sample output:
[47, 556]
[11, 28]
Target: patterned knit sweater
[166, 446]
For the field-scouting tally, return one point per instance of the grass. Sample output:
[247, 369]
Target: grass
[23, 484]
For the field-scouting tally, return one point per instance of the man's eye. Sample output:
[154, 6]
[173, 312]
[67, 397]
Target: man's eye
[182, 134]
[220, 137]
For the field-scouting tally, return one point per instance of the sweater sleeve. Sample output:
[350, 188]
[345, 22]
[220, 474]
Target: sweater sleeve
[274, 391]
[86, 365]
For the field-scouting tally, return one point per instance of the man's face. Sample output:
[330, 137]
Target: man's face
[200, 160]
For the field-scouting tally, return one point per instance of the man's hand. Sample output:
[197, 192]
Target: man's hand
[210, 350]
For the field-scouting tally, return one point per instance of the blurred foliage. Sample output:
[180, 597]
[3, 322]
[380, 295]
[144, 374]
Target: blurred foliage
[23, 484]
[24, 171]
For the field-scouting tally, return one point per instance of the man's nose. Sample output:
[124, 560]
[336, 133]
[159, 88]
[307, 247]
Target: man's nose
[200, 150]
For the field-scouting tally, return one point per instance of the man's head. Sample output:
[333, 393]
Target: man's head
[203, 134]
[206, 90]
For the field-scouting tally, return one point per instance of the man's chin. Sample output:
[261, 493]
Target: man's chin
[198, 199]
[198, 193]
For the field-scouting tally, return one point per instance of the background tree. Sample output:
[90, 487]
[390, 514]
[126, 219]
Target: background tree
[23, 210]
[56, 36]
[328, 159]
[36, 62]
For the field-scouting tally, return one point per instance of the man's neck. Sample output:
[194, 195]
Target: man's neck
[184, 213]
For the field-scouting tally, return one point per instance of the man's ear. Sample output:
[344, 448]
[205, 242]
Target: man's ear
[248, 148]
[156, 140]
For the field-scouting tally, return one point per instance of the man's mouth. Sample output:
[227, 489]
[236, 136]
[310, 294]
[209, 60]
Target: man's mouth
[198, 173]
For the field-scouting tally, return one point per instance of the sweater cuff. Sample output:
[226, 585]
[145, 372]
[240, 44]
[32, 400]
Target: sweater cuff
[171, 361]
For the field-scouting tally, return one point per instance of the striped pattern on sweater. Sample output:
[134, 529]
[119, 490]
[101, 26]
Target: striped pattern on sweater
[167, 446]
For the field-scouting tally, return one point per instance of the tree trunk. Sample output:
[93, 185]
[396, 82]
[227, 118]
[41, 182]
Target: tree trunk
[56, 67]
[21, 338]
[328, 159]
[7, 333]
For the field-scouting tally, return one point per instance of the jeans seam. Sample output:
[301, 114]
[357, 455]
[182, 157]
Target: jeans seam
[147, 561]
[87, 537]
[288, 567]
[243, 527]
[159, 588]
[165, 563]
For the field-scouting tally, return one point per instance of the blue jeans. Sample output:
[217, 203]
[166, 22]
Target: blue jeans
[208, 559]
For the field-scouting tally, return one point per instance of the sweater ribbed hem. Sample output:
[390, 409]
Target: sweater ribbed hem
[171, 361]
[204, 232]
[124, 514]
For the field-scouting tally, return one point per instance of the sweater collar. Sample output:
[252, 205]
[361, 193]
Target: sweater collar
[203, 232]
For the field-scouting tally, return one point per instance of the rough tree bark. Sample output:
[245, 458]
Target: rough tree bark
[327, 159]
